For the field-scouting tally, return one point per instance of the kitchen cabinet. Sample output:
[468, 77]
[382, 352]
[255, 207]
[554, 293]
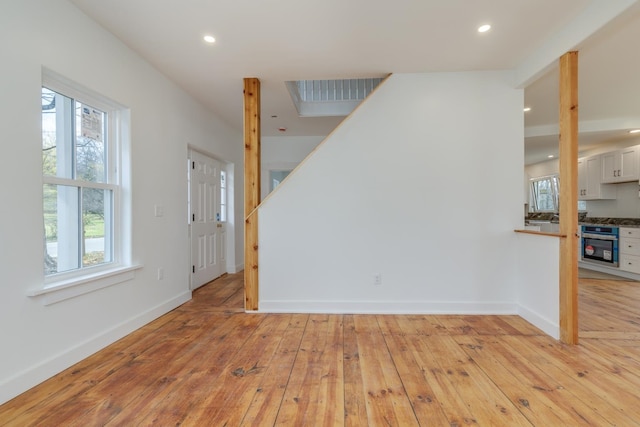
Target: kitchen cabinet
[629, 250]
[621, 165]
[590, 186]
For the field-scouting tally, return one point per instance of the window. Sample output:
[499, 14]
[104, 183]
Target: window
[223, 196]
[81, 186]
[544, 193]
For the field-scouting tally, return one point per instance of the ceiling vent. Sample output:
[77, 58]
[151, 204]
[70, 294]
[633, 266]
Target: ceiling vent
[322, 98]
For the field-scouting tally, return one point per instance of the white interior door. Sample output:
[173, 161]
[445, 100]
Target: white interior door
[207, 230]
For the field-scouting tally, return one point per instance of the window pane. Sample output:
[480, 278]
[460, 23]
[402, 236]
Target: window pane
[545, 194]
[61, 228]
[95, 209]
[223, 196]
[90, 137]
[48, 132]
[57, 137]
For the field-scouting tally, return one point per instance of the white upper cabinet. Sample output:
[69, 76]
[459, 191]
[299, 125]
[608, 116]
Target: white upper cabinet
[589, 184]
[620, 165]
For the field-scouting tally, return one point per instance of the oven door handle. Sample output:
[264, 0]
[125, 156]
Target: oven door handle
[599, 236]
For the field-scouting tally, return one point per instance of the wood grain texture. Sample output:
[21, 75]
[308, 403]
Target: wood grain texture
[251, 188]
[568, 160]
[209, 363]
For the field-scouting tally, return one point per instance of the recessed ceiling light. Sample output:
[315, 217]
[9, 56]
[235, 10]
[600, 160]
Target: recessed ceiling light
[209, 39]
[550, 156]
[484, 28]
[526, 109]
[634, 131]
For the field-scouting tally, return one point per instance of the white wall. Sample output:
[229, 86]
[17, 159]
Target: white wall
[537, 170]
[422, 185]
[39, 340]
[284, 153]
[625, 205]
[538, 284]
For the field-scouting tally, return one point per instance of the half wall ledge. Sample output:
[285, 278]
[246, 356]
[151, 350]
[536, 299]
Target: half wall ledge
[542, 233]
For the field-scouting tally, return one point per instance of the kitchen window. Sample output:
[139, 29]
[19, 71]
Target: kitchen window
[82, 183]
[544, 193]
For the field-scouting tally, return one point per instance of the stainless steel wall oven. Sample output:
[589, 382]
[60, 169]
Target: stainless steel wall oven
[600, 244]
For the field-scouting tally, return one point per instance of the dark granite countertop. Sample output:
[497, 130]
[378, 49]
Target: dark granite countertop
[583, 219]
[619, 222]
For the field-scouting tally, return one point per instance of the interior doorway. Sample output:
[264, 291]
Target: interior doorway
[276, 177]
[208, 210]
[273, 174]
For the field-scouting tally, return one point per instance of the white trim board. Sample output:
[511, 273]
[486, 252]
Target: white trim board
[388, 307]
[547, 326]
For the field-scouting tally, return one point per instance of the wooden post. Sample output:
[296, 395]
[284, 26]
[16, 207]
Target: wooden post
[569, 198]
[251, 190]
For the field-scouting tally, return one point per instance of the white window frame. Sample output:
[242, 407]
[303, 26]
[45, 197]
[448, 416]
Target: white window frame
[554, 186]
[60, 286]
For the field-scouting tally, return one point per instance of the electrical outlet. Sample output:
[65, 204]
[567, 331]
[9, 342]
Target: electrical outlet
[159, 210]
[377, 279]
[160, 273]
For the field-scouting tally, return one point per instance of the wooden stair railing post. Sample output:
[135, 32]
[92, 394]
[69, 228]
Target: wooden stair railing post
[251, 190]
[569, 198]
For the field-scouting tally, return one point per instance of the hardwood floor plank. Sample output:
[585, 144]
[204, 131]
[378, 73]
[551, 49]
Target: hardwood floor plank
[588, 395]
[456, 325]
[410, 324]
[423, 398]
[626, 353]
[540, 394]
[610, 335]
[533, 392]
[355, 407]
[500, 325]
[196, 369]
[386, 400]
[456, 411]
[486, 403]
[88, 373]
[265, 405]
[208, 363]
[609, 306]
[227, 401]
[315, 392]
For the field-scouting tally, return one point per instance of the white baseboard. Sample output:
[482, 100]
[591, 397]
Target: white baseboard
[23, 381]
[385, 307]
[239, 268]
[547, 326]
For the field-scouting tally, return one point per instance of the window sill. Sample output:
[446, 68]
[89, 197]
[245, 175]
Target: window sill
[66, 289]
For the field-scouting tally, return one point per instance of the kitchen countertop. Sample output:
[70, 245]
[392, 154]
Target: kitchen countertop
[617, 222]
[535, 218]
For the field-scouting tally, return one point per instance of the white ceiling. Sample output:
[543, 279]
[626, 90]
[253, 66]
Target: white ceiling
[280, 40]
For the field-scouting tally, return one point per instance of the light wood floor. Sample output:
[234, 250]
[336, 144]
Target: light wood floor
[208, 364]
